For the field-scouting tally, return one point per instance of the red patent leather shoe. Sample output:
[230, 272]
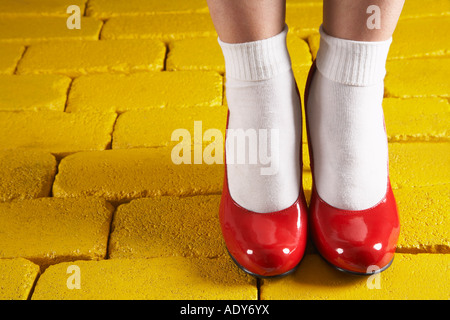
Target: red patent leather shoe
[359, 242]
[264, 244]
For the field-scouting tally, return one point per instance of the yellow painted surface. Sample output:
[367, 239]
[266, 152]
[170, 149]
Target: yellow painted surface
[415, 38]
[119, 93]
[314, 44]
[304, 20]
[206, 54]
[422, 276]
[165, 27]
[75, 58]
[167, 226]
[28, 30]
[119, 175]
[38, 8]
[57, 132]
[427, 206]
[173, 278]
[155, 128]
[26, 174]
[170, 227]
[9, 57]
[303, 3]
[418, 164]
[195, 54]
[51, 230]
[417, 9]
[412, 78]
[43, 92]
[420, 119]
[299, 51]
[108, 8]
[17, 278]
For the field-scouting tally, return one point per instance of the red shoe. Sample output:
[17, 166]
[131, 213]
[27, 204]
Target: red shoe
[264, 244]
[359, 242]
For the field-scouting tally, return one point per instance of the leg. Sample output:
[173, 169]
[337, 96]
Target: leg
[261, 95]
[238, 21]
[345, 104]
[264, 130]
[353, 213]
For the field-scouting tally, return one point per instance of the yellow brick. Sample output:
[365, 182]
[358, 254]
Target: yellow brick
[165, 27]
[424, 219]
[120, 93]
[51, 230]
[75, 58]
[195, 54]
[205, 54]
[417, 38]
[154, 128]
[418, 119]
[302, 3]
[17, 277]
[38, 8]
[416, 9]
[418, 164]
[418, 78]
[307, 184]
[57, 132]
[107, 8]
[120, 175]
[299, 51]
[167, 226]
[304, 20]
[173, 278]
[10, 55]
[414, 277]
[413, 164]
[26, 174]
[28, 30]
[43, 92]
[314, 44]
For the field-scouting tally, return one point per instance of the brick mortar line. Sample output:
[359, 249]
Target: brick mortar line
[58, 162]
[86, 3]
[429, 249]
[259, 283]
[108, 241]
[166, 56]
[68, 93]
[20, 59]
[101, 28]
[109, 147]
[33, 286]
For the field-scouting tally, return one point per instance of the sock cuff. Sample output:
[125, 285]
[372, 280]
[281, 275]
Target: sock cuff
[357, 63]
[256, 60]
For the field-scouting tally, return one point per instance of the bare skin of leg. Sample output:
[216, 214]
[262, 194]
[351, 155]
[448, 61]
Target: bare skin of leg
[238, 21]
[347, 19]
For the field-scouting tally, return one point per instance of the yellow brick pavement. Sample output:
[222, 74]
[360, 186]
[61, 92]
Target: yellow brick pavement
[87, 180]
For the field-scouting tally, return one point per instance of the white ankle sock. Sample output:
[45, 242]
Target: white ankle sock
[346, 122]
[261, 94]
